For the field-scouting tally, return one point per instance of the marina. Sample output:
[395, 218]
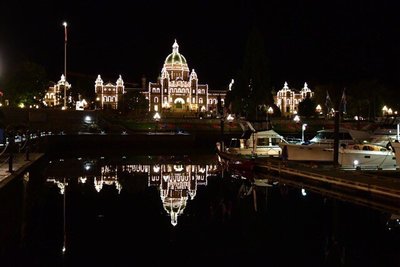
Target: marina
[373, 185]
[218, 202]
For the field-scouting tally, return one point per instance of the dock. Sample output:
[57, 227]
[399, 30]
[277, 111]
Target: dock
[379, 189]
[19, 166]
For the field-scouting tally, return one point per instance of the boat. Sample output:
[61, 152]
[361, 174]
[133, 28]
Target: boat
[366, 156]
[320, 147]
[257, 144]
[386, 132]
[396, 148]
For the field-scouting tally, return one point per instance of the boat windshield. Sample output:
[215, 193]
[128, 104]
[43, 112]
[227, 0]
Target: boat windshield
[235, 143]
[331, 135]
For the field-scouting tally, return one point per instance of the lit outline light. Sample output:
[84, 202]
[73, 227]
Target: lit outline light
[157, 116]
[156, 168]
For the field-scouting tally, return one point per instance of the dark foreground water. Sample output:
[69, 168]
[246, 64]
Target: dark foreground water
[124, 210]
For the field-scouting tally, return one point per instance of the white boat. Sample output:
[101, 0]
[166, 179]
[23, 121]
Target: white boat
[396, 147]
[320, 147]
[257, 144]
[366, 156]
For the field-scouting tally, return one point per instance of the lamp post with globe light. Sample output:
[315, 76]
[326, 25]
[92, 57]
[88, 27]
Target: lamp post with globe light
[270, 111]
[303, 128]
[230, 119]
[156, 118]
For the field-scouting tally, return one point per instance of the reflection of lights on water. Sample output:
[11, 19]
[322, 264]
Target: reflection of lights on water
[393, 223]
[303, 192]
[178, 168]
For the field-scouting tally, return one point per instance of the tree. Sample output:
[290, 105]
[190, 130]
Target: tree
[252, 88]
[135, 101]
[307, 107]
[26, 83]
[220, 109]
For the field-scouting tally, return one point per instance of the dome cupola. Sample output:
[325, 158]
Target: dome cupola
[175, 64]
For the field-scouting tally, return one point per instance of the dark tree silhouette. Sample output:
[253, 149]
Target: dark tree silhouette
[307, 107]
[26, 83]
[252, 87]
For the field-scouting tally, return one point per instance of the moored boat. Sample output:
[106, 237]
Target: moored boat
[396, 147]
[257, 144]
[320, 147]
[367, 156]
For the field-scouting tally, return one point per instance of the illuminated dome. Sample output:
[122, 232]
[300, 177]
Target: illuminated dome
[175, 57]
[175, 64]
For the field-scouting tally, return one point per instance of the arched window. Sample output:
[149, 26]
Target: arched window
[200, 100]
[155, 99]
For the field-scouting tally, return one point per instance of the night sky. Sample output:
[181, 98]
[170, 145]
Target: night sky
[305, 41]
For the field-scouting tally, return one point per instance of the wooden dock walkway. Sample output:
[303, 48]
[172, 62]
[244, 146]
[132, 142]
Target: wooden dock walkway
[20, 164]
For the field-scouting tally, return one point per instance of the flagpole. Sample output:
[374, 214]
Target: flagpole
[65, 64]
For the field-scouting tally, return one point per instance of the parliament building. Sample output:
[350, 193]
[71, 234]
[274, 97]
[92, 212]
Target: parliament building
[178, 89]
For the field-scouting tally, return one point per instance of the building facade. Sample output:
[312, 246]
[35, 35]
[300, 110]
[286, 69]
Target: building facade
[288, 99]
[179, 90]
[109, 96]
[55, 94]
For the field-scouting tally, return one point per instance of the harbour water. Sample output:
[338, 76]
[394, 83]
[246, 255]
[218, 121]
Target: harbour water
[182, 210]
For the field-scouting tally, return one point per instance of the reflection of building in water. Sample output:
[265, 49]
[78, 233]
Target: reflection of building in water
[176, 182]
[60, 184]
[109, 176]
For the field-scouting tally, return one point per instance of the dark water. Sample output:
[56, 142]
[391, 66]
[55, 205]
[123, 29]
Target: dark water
[182, 211]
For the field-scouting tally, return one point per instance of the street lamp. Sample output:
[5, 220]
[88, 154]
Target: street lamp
[270, 111]
[303, 128]
[157, 118]
[318, 109]
[230, 118]
[65, 64]
[384, 110]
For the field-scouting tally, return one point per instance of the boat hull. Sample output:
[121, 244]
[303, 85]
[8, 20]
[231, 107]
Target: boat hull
[275, 151]
[350, 158]
[317, 153]
[396, 148]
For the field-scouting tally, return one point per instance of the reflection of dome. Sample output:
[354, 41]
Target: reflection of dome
[175, 57]
[174, 207]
